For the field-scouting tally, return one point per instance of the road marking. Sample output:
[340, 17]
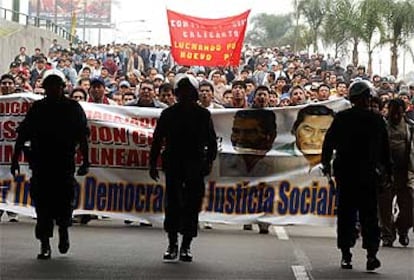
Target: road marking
[281, 233]
[300, 272]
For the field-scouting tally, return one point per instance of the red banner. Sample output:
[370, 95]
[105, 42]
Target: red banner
[207, 42]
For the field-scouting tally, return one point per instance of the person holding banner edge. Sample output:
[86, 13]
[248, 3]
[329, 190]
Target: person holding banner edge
[54, 126]
[190, 149]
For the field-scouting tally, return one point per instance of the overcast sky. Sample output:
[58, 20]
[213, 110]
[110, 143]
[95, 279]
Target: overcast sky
[154, 14]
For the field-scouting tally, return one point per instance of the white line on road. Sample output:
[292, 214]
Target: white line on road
[281, 233]
[300, 272]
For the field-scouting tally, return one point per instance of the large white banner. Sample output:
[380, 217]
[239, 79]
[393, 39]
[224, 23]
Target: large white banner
[267, 169]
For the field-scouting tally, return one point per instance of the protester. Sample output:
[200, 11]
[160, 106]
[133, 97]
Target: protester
[97, 92]
[190, 149]
[7, 84]
[146, 96]
[400, 133]
[53, 182]
[78, 94]
[166, 94]
[205, 96]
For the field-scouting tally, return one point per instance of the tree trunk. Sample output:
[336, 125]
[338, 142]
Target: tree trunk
[315, 42]
[369, 61]
[336, 50]
[355, 52]
[394, 59]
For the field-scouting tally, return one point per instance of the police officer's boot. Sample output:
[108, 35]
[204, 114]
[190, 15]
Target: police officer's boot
[403, 239]
[346, 261]
[372, 261]
[63, 240]
[172, 251]
[185, 252]
[45, 252]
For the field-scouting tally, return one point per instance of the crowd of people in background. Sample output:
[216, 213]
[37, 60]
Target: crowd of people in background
[143, 76]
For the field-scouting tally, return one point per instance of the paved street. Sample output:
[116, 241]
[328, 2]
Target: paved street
[108, 249]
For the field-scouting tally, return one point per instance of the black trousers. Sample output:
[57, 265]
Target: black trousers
[357, 199]
[53, 198]
[184, 197]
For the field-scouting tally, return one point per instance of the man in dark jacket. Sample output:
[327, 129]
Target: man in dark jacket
[190, 149]
[360, 140]
[54, 126]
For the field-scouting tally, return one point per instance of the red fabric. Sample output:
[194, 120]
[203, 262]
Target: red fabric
[207, 42]
[104, 100]
[111, 66]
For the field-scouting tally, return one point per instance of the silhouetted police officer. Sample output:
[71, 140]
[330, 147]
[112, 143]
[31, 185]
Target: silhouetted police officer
[54, 126]
[187, 131]
[360, 140]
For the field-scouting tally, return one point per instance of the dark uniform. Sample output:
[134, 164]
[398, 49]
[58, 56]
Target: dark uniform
[187, 131]
[54, 126]
[360, 140]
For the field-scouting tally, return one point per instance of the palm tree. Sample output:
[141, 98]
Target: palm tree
[400, 21]
[334, 29]
[371, 21]
[314, 12]
[268, 29]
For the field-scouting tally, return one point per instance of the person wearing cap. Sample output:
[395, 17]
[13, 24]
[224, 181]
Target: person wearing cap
[14, 69]
[54, 126]
[284, 99]
[359, 137]
[97, 92]
[400, 133]
[190, 149]
[124, 87]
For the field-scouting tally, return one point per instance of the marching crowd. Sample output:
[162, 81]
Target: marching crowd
[143, 76]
